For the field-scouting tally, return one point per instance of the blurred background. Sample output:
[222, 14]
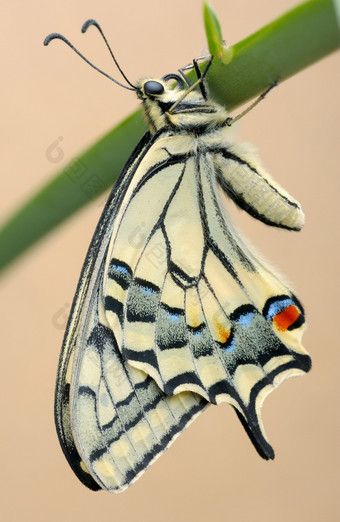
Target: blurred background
[48, 94]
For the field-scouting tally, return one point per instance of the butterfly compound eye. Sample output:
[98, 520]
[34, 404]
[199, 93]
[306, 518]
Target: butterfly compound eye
[153, 88]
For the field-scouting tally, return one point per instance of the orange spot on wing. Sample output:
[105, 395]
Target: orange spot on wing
[223, 334]
[286, 318]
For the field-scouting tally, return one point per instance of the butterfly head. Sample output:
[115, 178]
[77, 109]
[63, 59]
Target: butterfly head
[171, 101]
[167, 103]
[161, 97]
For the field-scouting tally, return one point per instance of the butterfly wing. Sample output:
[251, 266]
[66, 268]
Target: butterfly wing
[190, 304]
[112, 420]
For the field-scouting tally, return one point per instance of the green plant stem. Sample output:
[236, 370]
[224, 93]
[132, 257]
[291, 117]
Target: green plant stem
[277, 51]
[282, 48]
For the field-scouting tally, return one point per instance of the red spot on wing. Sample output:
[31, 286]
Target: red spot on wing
[286, 318]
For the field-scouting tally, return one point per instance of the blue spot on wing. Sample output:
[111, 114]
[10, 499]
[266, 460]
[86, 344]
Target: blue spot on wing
[120, 268]
[120, 272]
[146, 291]
[173, 317]
[231, 346]
[277, 307]
[246, 319]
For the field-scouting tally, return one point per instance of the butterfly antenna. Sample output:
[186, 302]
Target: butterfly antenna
[85, 27]
[57, 36]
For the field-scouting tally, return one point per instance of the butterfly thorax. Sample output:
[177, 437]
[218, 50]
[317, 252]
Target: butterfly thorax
[170, 107]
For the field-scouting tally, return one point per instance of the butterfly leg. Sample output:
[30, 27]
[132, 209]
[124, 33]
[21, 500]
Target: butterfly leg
[193, 86]
[231, 121]
[199, 74]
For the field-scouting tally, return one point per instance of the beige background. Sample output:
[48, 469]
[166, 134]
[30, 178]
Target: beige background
[211, 472]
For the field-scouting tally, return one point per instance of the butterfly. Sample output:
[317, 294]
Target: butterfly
[174, 310]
